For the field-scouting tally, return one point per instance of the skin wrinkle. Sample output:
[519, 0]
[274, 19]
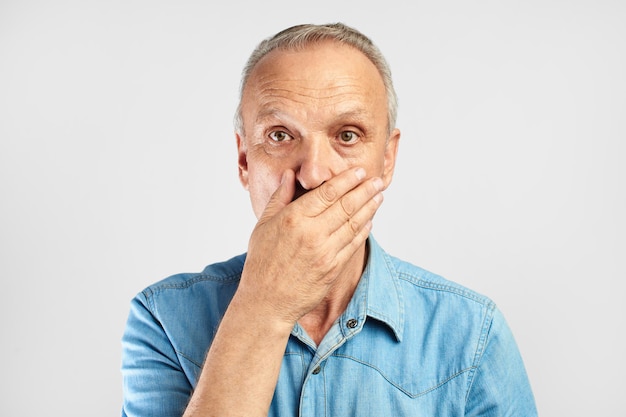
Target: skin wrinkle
[273, 116]
[328, 95]
[353, 120]
[349, 86]
[264, 81]
[293, 50]
[313, 96]
[347, 207]
[313, 107]
[314, 104]
[355, 116]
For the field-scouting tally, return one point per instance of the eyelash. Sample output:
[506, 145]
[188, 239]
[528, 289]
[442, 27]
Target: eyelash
[355, 136]
[273, 132]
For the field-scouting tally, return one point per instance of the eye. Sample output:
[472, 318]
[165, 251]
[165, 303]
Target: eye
[280, 136]
[348, 136]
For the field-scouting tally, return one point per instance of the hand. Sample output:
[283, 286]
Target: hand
[298, 249]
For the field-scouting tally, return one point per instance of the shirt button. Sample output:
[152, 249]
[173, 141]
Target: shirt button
[316, 370]
[352, 323]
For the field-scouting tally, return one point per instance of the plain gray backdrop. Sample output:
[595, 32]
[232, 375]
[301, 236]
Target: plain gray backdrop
[118, 168]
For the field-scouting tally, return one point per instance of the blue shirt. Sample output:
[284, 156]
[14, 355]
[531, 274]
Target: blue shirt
[410, 343]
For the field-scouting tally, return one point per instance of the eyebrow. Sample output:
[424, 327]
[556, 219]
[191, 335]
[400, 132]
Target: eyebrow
[358, 114]
[268, 112]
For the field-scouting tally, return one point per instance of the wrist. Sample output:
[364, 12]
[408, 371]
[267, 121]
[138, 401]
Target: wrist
[258, 317]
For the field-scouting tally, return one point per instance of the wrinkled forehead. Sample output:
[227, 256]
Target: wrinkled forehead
[321, 73]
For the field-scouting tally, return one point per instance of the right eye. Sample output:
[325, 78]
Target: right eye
[280, 136]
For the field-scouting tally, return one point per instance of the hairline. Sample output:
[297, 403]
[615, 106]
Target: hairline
[297, 38]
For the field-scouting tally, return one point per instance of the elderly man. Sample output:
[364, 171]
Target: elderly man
[316, 319]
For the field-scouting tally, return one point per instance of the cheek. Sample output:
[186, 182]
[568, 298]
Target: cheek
[262, 183]
[374, 162]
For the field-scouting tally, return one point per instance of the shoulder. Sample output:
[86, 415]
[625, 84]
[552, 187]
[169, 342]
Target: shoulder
[183, 293]
[185, 309]
[221, 273]
[415, 278]
[439, 309]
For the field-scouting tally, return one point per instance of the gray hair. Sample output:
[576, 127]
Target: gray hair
[300, 36]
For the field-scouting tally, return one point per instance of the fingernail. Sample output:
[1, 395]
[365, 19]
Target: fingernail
[378, 184]
[378, 198]
[360, 173]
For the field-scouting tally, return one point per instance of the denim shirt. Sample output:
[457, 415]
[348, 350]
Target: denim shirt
[410, 343]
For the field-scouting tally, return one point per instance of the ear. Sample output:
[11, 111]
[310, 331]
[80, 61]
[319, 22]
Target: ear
[391, 151]
[242, 160]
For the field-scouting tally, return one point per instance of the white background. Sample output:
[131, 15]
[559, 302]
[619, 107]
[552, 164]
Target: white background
[118, 168]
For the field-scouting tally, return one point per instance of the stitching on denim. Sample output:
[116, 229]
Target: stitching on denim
[380, 316]
[481, 345]
[326, 413]
[408, 393]
[192, 281]
[149, 304]
[153, 290]
[334, 348]
[484, 333]
[388, 323]
[301, 355]
[451, 288]
[149, 294]
[401, 305]
[398, 326]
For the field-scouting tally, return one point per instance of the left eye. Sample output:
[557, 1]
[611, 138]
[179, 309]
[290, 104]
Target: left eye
[348, 136]
[280, 136]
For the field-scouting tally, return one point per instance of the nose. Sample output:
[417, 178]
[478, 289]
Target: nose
[319, 162]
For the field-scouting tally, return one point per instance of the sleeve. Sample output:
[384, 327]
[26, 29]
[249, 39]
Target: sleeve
[500, 386]
[154, 383]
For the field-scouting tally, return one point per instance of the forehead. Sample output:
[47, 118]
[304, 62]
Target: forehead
[321, 75]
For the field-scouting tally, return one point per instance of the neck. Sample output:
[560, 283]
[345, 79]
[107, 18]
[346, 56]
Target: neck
[318, 321]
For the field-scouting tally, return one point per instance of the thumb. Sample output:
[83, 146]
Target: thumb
[281, 197]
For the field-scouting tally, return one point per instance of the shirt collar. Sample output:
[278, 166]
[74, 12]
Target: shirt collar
[378, 295]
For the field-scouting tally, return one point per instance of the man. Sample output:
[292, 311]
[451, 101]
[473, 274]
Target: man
[317, 319]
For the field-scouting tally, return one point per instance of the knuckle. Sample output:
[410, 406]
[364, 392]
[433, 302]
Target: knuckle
[347, 206]
[327, 192]
[308, 242]
[289, 221]
[325, 261]
[354, 227]
[294, 219]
